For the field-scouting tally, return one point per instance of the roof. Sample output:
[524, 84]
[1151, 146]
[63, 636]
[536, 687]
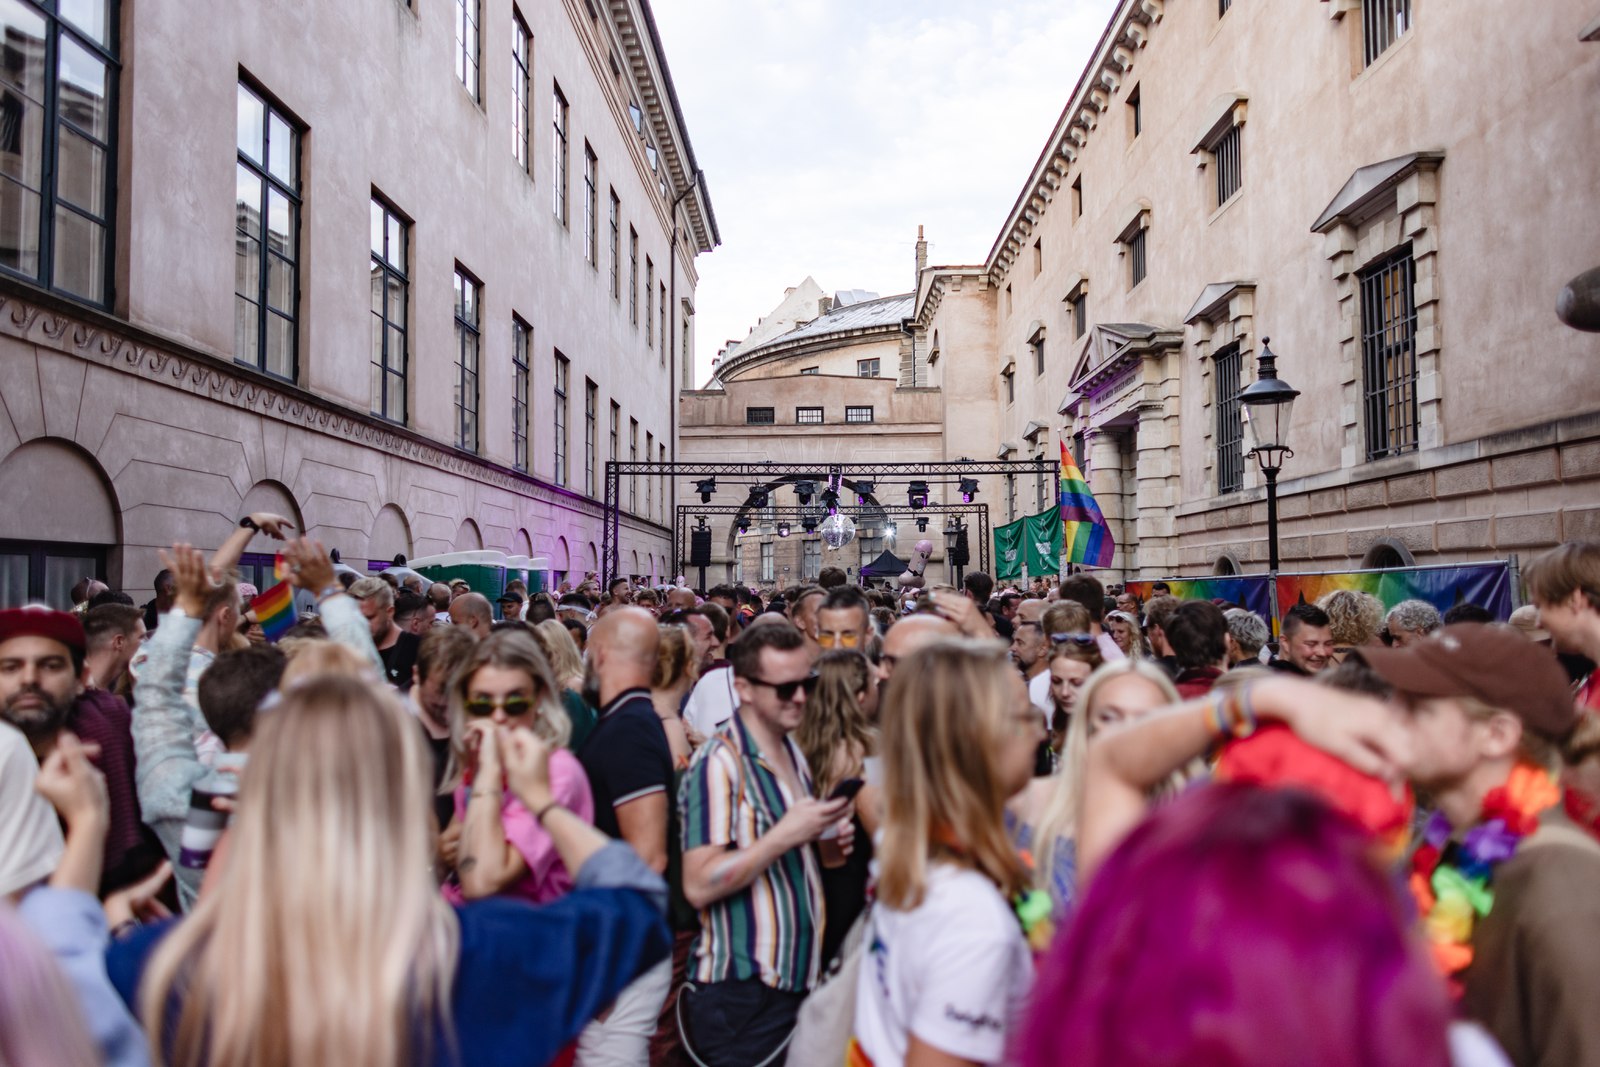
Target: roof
[885, 311]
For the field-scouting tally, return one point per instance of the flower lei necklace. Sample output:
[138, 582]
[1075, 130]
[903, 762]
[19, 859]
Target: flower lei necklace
[1451, 881]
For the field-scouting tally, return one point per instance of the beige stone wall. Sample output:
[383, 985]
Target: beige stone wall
[830, 358]
[181, 435]
[1507, 394]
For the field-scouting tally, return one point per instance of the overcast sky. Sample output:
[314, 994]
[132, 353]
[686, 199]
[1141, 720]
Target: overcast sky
[829, 129]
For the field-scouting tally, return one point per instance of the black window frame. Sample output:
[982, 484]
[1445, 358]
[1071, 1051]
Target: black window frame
[661, 330]
[1227, 367]
[385, 270]
[760, 416]
[1036, 345]
[633, 457]
[52, 200]
[1383, 23]
[1222, 7]
[269, 183]
[1227, 156]
[649, 295]
[615, 205]
[633, 277]
[591, 430]
[521, 92]
[591, 207]
[1389, 354]
[559, 421]
[649, 479]
[808, 416]
[1138, 266]
[521, 387]
[1080, 314]
[1136, 110]
[469, 13]
[469, 341]
[853, 414]
[560, 133]
[615, 431]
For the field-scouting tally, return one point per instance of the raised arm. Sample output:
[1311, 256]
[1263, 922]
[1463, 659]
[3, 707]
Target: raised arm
[164, 725]
[225, 558]
[311, 569]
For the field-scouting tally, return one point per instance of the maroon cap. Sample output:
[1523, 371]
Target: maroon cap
[1489, 662]
[40, 621]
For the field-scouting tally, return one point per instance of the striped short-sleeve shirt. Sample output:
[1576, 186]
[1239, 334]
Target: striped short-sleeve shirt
[772, 929]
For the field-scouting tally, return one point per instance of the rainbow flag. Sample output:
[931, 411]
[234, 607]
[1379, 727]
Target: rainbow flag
[1086, 538]
[280, 566]
[275, 610]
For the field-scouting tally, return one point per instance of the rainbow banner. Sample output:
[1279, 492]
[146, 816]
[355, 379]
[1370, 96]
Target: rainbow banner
[1086, 538]
[1487, 585]
[275, 610]
[1251, 592]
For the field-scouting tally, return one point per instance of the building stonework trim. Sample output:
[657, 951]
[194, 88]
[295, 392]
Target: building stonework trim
[37, 318]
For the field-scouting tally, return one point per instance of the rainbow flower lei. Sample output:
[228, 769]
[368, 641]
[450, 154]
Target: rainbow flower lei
[1451, 880]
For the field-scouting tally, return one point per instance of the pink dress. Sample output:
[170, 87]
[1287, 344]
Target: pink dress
[546, 878]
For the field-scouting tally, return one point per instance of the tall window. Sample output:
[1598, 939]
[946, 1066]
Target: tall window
[558, 154]
[663, 323]
[1135, 112]
[616, 432]
[266, 239]
[1011, 497]
[1077, 197]
[468, 296]
[633, 276]
[591, 404]
[1382, 23]
[649, 479]
[1222, 7]
[1080, 313]
[661, 458]
[616, 246]
[391, 295]
[57, 132]
[591, 207]
[766, 561]
[867, 368]
[1037, 346]
[1011, 386]
[1230, 171]
[1389, 354]
[561, 419]
[521, 56]
[649, 287]
[810, 558]
[1230, 427]
[633, 457]
[467, 17]
[521, 345]
[1039, 481]
[1136, 264]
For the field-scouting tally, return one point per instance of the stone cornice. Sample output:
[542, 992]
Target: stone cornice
[938, 285]
[48, 321]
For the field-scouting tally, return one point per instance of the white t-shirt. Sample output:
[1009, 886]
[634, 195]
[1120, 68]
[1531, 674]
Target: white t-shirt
[711, 702]
[1039, 695]
[30, 836]
[955, 971]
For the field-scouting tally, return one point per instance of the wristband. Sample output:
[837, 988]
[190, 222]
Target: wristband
[247, 523]
[539, 815]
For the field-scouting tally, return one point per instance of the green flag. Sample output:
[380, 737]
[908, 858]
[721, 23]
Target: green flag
[1008, 550]
[1042, 542]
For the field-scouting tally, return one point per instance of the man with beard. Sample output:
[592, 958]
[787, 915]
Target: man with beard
[43, 694]
[630, 769]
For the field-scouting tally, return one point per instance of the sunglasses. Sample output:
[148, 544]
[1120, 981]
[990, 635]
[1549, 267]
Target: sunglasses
[842, 640]
[786, 690]
[514, 706]
[1081, 640]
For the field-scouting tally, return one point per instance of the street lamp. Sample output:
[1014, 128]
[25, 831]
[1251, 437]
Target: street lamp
[1265, 408]
[952, 538]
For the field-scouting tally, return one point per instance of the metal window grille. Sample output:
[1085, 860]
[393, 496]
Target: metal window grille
[867, 368]
[1229, 166]
[558, 154]
[521, 58]
[467, 300]
[591, 400]
[591, 208]
[1011, 497]
[1136, 263]
[1382, 23]
[1230, 427]
[1080, 314]
[266, 238]
[1039, 484]
[1389, 354]
[1222, 7]
[390, 295]
[519, 393]
[561, 419]
[466, 54]
[808, 416]
[1038, 355]
[616, 246]
[760, 416]
[858, 414]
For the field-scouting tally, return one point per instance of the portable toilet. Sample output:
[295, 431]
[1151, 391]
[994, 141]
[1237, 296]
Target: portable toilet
[484, 570]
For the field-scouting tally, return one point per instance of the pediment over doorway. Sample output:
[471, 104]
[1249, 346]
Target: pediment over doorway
[1112, 348]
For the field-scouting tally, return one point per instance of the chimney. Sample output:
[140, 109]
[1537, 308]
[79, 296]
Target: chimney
[922, 255]
[824, 305]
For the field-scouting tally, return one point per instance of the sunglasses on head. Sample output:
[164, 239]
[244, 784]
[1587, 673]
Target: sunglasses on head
[786, 690]
[1081, 640]
[483, 707]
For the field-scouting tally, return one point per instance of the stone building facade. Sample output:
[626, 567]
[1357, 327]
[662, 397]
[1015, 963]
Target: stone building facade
[456, 274]
[1389, 190]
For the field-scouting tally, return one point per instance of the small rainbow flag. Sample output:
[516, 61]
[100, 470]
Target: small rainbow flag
[1086, 537]
[280, 567]
[275, 610]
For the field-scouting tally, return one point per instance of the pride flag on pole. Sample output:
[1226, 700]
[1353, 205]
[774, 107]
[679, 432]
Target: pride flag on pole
[1086, 538]
[275, 610]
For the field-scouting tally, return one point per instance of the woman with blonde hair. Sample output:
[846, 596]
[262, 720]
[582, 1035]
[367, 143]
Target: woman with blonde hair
[1354, 619]
[327, 942]
[566, 665]
[677, 669]
[948, 970]
[501, 847]
[1124, 628]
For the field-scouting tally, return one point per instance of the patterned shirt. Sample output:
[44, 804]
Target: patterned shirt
[771, 929]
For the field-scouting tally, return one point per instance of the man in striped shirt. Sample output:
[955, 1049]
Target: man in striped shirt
[748, 821]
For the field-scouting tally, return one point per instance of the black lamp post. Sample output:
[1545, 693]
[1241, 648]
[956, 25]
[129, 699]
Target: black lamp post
[952, 537]
[1265, 407]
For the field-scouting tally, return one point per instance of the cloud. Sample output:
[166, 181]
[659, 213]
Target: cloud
[830, 129]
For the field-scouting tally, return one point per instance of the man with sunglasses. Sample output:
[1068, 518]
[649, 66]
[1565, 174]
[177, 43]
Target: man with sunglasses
[844, 619]
[748, 820]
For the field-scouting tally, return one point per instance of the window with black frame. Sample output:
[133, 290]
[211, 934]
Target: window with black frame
[558, 154]
[521, 89]
[58, 146]
[391, 297]
[468, 16]
[616, 246]
[591, 207]
[1389, 354]
[1225, 367]
[468, 298]
[266, 273]
[560, 421]
[591, 404]
[521, 345]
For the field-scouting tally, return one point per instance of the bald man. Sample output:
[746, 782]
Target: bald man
[681, 599]
[1032, 610]
[911, 633]
[630, 775]
[471, 612]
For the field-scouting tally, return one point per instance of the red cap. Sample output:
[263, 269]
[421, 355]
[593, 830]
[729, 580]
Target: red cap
[39, 621]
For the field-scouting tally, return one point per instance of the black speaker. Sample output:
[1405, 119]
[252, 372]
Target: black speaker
[961, 555]
[699, 548]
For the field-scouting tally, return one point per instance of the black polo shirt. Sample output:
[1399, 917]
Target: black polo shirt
[626, 757]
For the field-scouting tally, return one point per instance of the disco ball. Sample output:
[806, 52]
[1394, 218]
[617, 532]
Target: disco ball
[837, 531]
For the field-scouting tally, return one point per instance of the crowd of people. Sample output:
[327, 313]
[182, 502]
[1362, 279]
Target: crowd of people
[819, 825]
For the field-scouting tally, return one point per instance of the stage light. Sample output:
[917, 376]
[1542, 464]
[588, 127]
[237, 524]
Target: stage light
[783, 529]
[808, 522]
[863, 491]
[758, 497]
[805, 491]
[744, 525]
[830, 501]
[969, 489]
[705, 487]
[922, 524]
[917, 495]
